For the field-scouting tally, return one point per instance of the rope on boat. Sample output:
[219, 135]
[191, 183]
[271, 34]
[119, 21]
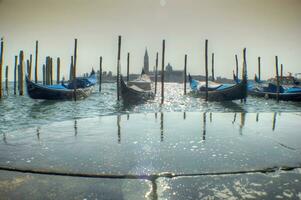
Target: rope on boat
[150, 177]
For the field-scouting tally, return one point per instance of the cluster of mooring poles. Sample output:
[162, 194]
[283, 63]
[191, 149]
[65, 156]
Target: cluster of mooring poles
[48, 72]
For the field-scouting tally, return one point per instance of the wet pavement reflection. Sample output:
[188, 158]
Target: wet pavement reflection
[156, 147]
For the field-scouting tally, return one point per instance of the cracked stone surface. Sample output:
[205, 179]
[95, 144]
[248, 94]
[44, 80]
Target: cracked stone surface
[279, 185]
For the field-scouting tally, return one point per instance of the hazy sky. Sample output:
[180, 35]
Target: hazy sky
[265, 27]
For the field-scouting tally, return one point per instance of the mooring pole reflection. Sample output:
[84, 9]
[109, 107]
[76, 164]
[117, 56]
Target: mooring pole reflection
[118, 129]
[274, 121]
[4, 138]
[38, 133]
[204, 125]
[242, 122]
[234, 119]
[162, 126]
[75, 127]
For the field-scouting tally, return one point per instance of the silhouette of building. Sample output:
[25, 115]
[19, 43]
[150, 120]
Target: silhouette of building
[146, 62]
[173, 75]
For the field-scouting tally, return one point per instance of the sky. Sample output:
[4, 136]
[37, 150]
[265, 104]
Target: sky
[265, 27]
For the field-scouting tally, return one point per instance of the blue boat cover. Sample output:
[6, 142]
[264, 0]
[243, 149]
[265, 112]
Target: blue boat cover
[293, 90]
[194, 84]
[224, 86]
[57, 87]
[273, 88]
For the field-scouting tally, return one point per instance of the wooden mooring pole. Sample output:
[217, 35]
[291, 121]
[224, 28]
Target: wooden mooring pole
[185, 73]
[6, 80]
[236, 61]
[277, 77]
[71, 69]
[259, 68]
[30, 66]
[156, 72]
[100, 73]
[47, 71]
[212, 63]
[75, 59]
[21, 78]
[15, 75]
[36, 61]
[244, 72]
[206, 68]
[51, 71]
[128, 68]
[44, 74]
[58, 70]
[1, 64]
[162, 72]
[281, 72]
[118, 68]
[74, 67]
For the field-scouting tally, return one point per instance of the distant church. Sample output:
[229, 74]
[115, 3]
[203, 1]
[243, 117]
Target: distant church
[171, 75]
[146, 62]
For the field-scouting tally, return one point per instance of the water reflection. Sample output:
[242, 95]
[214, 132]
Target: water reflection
[232, 106]
[162, 126]
[192, 124]
[40, 108]
[38, 133]
[204, 125]
[274, 121]
[4, 138]
[234, 119]
[242, 122]
[75, 128]
[169, 144]
[118, 128]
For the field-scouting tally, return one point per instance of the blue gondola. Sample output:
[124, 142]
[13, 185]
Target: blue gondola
[220, 92]
[269, 90]
[83, 89]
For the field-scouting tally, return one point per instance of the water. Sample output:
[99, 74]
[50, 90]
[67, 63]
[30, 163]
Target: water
[21, 112]
[173, 142]
[196, 150]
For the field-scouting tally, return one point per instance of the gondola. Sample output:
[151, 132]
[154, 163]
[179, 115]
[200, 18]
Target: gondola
[269, 91]
[136, 91]
[83, 89]
[220, 92]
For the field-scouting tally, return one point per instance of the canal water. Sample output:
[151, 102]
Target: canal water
[185, 149]
[21, 112]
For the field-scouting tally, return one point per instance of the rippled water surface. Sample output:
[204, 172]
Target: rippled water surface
[18, 112]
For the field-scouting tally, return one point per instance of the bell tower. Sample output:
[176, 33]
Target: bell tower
[146, 62]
